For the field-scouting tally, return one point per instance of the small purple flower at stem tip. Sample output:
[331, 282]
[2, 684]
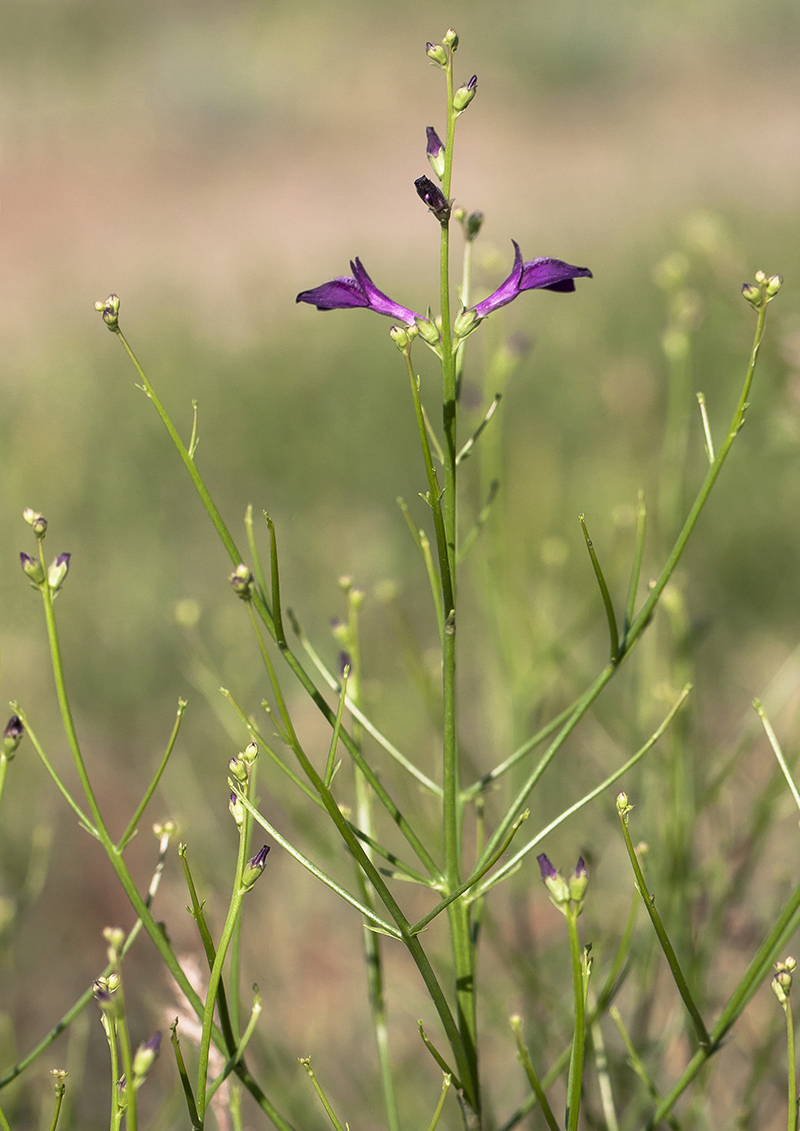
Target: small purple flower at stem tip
[432, 195]
[344, 293]
[539, 274]
[545, 867]
[32, 568]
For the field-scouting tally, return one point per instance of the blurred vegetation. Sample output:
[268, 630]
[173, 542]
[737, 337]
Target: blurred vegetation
[206, 161]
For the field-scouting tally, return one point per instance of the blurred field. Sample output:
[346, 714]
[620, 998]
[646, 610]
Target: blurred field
[206, 162]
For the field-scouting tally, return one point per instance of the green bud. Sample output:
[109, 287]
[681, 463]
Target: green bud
[250, 753]
[238, 770]
[473, 225]
[400, 337]
[144, 1058]
[436, 53]
[32, 568]
[774, 284]
[254, 868]
[578, 882]
[782, 980]
[428, 330]
[242, 582]
[57, 571]
[36, 520]
[464, 95]
[236, 809]
[450, 39]
[465, 322]
[110, 311]
[623, 806]
[751, 294]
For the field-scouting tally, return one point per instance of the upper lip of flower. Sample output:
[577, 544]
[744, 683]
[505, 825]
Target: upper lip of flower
[544, 274]
[343, 293]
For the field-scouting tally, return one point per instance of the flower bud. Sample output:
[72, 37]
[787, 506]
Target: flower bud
[12, 736]
[464, 323]
[110, 311]
[428, 330]
[36, 520]
[254, 868]
[450, 39]
[435, 152]
[432, 195]
[249, 754]
[782, 980]
[473, 225]
[578, 881]
[774, 284]
[464, 95]
[436, 53]
[57, 571]
[105, 993]
[236, 809]
[400, 337]
[32, 568]
[144, 1058]
[553, 881]
[623, 806]
[242, 582]
[238, 770]
[751, 294]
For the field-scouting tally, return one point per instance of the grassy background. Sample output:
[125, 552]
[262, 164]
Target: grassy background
[206, 162]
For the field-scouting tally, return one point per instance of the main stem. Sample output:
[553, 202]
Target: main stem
[452, 807]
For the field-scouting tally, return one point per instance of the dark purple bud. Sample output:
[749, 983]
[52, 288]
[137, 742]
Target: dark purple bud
[435, 152]
[344, 293]
[434, 147]
[12, 736]
[580, 868]
[435, 199]
[545, 867]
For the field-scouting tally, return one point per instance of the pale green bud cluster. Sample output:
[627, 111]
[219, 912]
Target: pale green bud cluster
[782, 980]
[242, 582]
[764, 290]
[35, 520]
[110, 311]
[239, 770]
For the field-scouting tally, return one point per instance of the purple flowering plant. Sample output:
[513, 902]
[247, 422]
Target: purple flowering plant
[459, 837]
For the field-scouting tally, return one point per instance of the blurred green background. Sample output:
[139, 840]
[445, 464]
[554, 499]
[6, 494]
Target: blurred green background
[207, 161]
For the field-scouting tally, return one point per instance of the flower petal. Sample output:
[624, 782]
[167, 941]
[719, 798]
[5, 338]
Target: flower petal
[551, 275]
[507, 291]
[377, 300]
[339, 294]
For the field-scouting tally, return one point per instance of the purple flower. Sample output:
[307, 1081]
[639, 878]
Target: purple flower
[344, 293]
[539, 274]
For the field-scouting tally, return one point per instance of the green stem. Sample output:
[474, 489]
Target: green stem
[215, 977]
[575, 1083]
[134, 821]
[790, 1056]
[663, 938]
